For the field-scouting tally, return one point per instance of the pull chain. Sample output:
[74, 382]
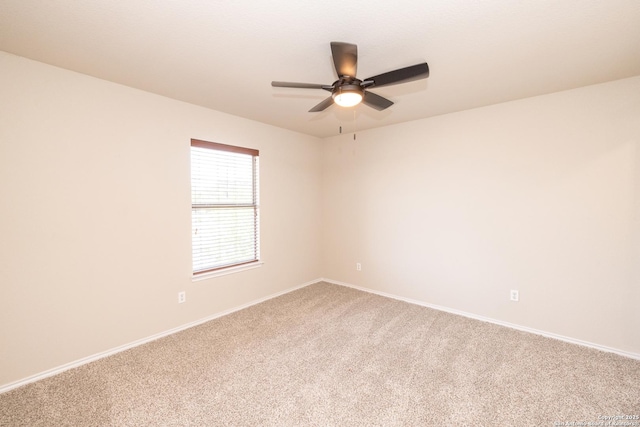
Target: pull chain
[354, 124]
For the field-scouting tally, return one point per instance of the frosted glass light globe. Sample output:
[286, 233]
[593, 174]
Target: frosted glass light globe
[348, 99]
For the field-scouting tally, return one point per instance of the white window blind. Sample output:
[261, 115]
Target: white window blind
[224, 206]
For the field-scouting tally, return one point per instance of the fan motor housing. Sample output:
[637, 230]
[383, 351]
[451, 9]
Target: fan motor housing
[353, 87]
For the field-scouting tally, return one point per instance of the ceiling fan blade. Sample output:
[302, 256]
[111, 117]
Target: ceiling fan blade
[376, 101]
[323, 105]
[402, 75]
[345, 58]
[301, 85]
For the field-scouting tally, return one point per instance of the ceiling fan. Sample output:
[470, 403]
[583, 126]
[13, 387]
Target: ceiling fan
[349, 91]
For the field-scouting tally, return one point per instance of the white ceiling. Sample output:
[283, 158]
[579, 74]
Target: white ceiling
[224, 54]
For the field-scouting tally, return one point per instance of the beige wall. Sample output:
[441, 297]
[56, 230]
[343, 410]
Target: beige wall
[95, 215]
[541, 195]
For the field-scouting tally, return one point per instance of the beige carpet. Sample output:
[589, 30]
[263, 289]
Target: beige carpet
[327, 355]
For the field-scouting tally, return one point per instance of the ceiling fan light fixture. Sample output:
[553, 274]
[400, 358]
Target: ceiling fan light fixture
[348, 90]
[348, 95]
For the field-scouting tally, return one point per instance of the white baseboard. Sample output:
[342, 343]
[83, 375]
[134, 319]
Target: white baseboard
[59, 369]
[494, 321]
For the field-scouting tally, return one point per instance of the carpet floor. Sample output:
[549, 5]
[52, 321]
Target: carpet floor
[328, 355]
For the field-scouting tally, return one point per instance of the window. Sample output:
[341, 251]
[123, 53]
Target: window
[224, 206]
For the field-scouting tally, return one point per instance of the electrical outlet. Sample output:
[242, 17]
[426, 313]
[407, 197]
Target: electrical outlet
[515, 296]
[358, 266]
[182, 297]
